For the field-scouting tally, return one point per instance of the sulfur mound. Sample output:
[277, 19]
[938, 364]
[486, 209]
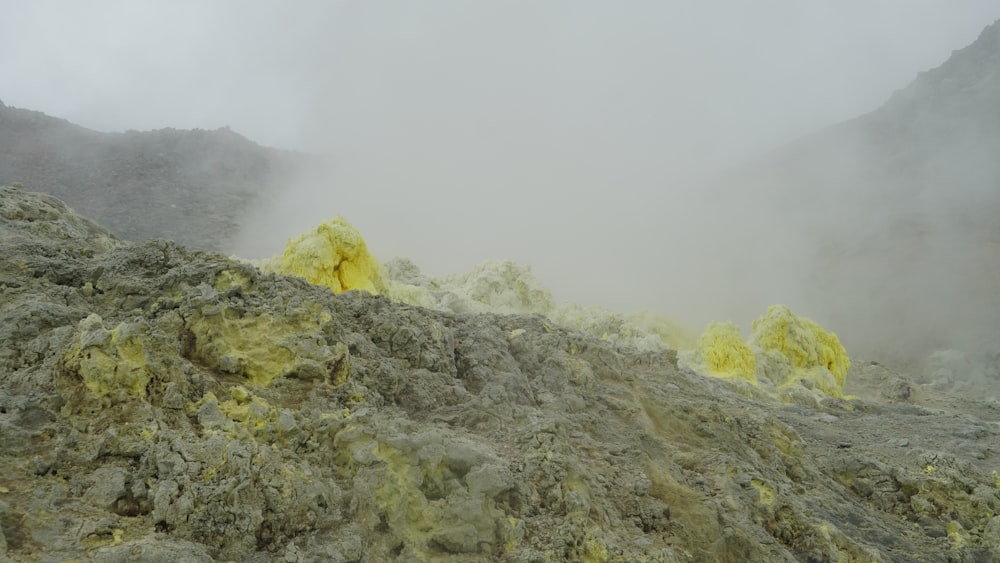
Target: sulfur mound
[792, 353]
[332, 254]
[795, 349]
[722, 353]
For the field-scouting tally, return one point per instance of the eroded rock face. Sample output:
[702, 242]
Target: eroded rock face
[162, 404]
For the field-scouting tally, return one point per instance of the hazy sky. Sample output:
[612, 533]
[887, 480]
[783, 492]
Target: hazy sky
[562, 134]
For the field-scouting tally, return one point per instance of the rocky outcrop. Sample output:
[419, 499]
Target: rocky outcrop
[160, 404]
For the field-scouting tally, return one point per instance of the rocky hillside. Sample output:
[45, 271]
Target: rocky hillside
[162, 404]
[188, 186]
[886, 224]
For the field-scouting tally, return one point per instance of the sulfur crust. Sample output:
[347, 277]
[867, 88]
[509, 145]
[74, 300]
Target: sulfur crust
[112, 363]
[794, 353]
[258, 347]
[811, 352]
[332, 254]
[725, 354]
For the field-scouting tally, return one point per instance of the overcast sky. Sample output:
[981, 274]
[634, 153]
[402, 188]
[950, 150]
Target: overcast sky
[537, 131]
[728, 75]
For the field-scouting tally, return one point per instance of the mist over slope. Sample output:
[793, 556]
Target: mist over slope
[883, 226]
[191, 186]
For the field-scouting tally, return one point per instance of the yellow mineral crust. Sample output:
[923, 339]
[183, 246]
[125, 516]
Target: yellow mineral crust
[332, 254]
[725, 354]
[957, 536]
[811, 353]
[767, 494]
[110, 361]
[260, 347]
[243, 407]
[789, 351]
[226, 279]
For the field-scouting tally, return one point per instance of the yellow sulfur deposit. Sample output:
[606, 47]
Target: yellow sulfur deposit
[594, 550]
[725, 354]
[263, 347]
[792, 352]
[427, 506]
[226, 279]
[243, 407]
[807, 351]
[110, 362]
[332, 254]
[767, 494]
[505, 287]
[957, 536]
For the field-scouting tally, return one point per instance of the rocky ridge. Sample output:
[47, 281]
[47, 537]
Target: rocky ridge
[164, 404]
[191, 186]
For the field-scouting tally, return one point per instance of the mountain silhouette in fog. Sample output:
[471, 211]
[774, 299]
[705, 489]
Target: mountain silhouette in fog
[191, 186]
[885, 225]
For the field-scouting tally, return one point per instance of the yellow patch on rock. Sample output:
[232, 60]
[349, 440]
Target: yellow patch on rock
[110, 362]
[245, 408]
[262, 347]
[767, 494]
[957, 536]
[227, 279]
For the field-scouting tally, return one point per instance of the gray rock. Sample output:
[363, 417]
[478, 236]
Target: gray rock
[109, 485]
[153, 549]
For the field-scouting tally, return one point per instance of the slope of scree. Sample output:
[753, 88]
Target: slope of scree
[191, 186]
[160, 404]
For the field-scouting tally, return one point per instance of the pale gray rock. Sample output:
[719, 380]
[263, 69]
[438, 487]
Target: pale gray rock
[153, 549]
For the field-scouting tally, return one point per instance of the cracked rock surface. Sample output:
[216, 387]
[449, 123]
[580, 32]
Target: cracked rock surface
[163, 404]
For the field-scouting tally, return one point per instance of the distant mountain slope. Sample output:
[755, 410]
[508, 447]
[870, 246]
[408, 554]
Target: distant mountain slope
[886, 226]
[188, 186]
